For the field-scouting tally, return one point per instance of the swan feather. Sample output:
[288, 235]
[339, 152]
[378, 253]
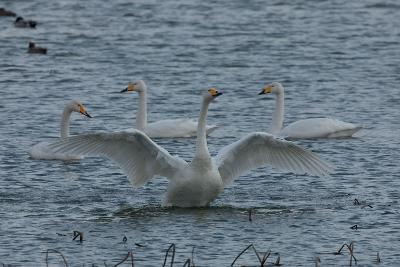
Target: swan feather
[43, 151]
[137, 155]
[258, 149]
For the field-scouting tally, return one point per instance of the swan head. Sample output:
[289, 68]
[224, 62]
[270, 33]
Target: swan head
[275, 88]
[77, 106]
[138, 86]
[211, 94]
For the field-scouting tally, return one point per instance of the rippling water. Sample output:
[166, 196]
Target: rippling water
[338, 59]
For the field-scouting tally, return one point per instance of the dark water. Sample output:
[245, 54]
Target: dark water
[337, 59]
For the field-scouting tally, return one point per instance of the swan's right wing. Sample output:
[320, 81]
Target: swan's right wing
[138, 156]
[259, 149]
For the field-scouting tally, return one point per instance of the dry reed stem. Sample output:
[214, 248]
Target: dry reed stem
[378, 259]
[340, 250]
[265, 257]
[55, 251]
[130, 253]
[172, 246]
[278, 261]
[76, 234]
[317, 261]
[351, 251]
[187, 262]
[240, 254]
[192, 257]
[261, 260]
[258, 255]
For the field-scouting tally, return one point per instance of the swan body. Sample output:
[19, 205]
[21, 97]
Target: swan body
[319, 128]
[175, 128]
[43, 151]
[308, 128]
[169, 128]
[199, 182]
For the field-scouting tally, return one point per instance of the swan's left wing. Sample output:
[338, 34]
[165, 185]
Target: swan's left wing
[137, 155]
[259, 149]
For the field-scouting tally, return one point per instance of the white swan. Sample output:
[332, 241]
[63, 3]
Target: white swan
[307, 128]
[195, 183]
[43, 151]
[163, 128]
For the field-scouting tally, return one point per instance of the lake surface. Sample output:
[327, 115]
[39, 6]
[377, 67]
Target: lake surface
[337, 59]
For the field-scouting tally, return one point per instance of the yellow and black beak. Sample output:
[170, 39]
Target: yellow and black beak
[131, 87]
[266, 90]
[83, 111]
[214, 92]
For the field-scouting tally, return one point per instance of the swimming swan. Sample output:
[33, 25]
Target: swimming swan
[307, 128]
[43, 151]
[195, 183]
[163, 128]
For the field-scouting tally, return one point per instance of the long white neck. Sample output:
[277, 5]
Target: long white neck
[65, 122]
[201, 143]
[141, 116]
[277, 117]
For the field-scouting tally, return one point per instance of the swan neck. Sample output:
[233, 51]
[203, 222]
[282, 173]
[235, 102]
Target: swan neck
[65, 122]
[201, 144]
[141, 116]
[277, 118]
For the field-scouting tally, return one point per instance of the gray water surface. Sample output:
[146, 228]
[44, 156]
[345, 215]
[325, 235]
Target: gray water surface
[337, 59]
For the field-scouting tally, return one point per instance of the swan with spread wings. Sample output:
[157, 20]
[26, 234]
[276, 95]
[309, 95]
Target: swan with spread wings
[199, 182]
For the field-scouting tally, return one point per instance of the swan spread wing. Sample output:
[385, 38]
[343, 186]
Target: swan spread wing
[42, 151]
[138, 156]
[258, 149]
